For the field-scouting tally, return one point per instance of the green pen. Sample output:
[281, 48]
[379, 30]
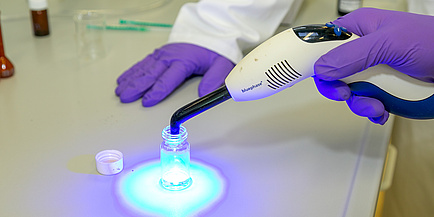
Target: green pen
[140, 23]
[131, 28]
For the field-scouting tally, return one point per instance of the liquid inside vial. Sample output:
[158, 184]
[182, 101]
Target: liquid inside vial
[175, 160]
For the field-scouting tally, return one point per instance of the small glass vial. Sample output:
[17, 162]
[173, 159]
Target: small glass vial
[175, 160]
[38, 9]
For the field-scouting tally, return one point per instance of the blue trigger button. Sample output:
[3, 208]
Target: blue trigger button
[338, 31]
[344, 29]
[321, 32]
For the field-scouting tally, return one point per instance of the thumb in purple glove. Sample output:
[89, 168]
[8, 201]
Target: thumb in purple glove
[387, 37]
[156, 76]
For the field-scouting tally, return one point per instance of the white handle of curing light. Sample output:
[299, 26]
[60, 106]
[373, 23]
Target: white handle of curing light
[285, 59]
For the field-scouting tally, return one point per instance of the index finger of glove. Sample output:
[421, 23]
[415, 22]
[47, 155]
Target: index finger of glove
[215, 76]
[351, 57]
[362, 21]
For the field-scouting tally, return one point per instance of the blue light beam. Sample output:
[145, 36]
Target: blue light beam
[139, 192]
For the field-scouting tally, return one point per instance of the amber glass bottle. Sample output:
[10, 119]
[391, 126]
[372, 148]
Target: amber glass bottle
[38, 9]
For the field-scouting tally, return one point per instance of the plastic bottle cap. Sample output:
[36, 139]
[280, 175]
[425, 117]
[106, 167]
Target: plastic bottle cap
[38, 4]
[109, 162]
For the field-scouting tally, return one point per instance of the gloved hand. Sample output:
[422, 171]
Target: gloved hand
[401, 40]
[156, 76]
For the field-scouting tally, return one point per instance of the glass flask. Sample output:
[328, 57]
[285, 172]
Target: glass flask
[7, 68]
[175, 160]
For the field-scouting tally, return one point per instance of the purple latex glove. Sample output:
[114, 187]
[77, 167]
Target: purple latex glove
[156, 76]
[401, 40]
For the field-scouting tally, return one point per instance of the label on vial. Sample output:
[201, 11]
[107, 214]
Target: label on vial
[349, 5]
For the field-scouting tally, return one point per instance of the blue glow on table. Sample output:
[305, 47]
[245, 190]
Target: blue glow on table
[139, 193]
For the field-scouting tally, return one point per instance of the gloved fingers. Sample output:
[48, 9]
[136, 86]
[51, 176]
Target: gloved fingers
[165, 84]
[351, 57]
[133, 87]
[366, 107]
[140, 69]
[215, 76]
[355, 21]
[375, 47]
[384, 42]
[152, 65]
[381, 119]
[334, 90]
[135, 69]
[362, 106]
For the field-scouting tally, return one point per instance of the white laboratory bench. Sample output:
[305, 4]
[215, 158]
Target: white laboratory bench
[292, 154]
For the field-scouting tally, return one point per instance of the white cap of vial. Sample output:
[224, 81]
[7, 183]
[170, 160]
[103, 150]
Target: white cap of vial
[109, 162]
[38, 4]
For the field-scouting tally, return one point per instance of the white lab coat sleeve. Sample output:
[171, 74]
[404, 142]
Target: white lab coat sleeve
[228, 27]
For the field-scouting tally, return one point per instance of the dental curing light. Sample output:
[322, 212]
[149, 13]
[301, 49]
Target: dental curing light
[288, 58]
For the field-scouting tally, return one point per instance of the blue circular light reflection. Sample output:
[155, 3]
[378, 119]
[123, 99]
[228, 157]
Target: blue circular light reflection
[139, 193]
